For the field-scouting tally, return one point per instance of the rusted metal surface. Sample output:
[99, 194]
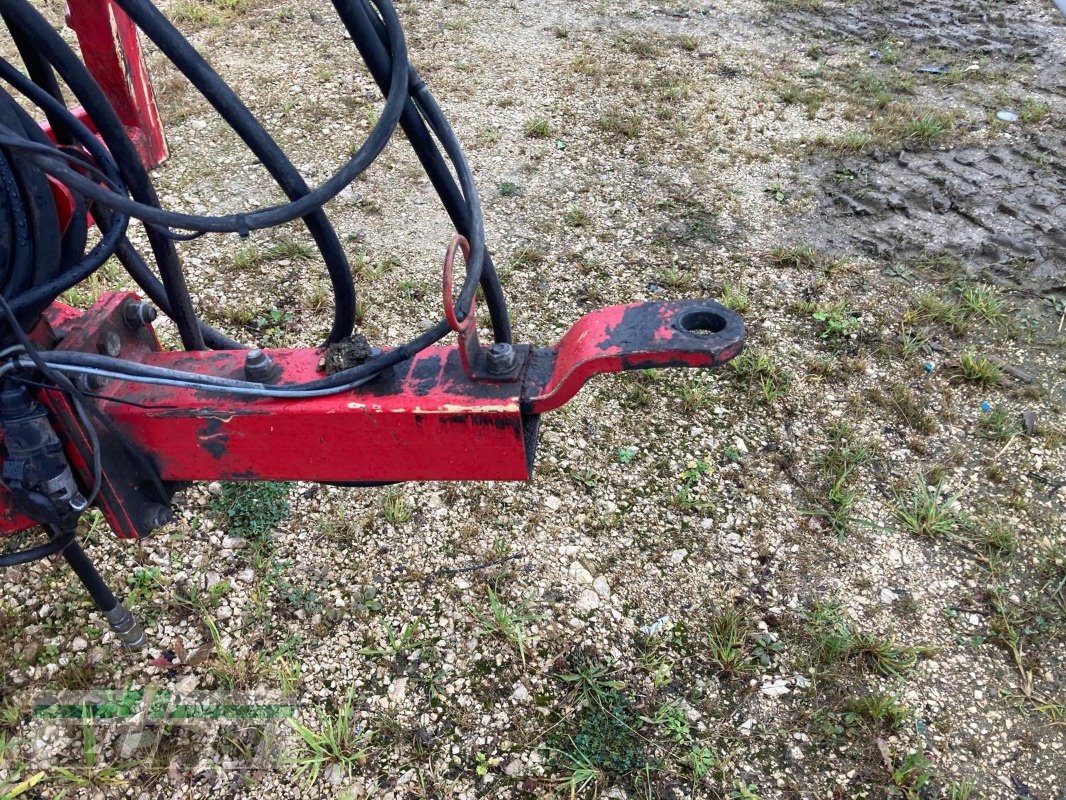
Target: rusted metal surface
[424, 419]
[112, 53]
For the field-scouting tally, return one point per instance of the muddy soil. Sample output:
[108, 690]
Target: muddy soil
[1000, 210]
[998, 206]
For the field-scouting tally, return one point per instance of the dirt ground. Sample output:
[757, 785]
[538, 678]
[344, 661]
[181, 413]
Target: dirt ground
[834, 568]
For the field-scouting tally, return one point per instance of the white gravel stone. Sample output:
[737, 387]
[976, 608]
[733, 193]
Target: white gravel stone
[579, 574]
[587, 601]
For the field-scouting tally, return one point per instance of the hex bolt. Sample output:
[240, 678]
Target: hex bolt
[500, 358]
[258, 366]
[110, 344]
[138, 314]
[91, 383]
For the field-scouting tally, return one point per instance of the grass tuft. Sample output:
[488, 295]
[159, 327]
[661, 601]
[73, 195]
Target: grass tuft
[335, 743]
[730, 638]
[925, 509]
[979, 369]
[537, 129]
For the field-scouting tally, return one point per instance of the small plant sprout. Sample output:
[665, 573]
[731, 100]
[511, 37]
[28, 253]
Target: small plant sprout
[396, 508]
[984, 301]
[926, 510]
[838, 321]
[761, 370]
[834, 641]
[537, 128]
[729, 643]
[508, 622]
[797, 256]
[735, 298]
[671, 718]
[336, 742]
[979, 369]
[694, 470]
[576, 217]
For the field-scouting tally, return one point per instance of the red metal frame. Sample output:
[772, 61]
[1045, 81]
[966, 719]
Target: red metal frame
[112, 54]
[425, 419]
[441, 415]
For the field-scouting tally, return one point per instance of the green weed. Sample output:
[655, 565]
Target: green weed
[978, 368]
[508, 622]
[926, 510]
[395, 507]
[984, 301]
[729, 643]
[251, 510]
[761, 369]
[335, 742]
[838, 320]
[537, 129]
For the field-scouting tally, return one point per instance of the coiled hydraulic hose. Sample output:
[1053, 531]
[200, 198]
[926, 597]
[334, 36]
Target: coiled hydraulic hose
[110, 181]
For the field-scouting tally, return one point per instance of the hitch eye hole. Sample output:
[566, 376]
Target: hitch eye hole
[702, 323]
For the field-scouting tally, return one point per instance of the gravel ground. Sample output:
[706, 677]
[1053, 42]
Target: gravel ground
[835, 568]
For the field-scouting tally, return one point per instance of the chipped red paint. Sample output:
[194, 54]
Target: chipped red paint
[112, 53]
[637, 336]
[425, 419]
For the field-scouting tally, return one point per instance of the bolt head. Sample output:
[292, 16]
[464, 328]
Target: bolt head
[258, 366]
[157, 515]
[500, 358]
[110, 344]
[138, 314]
[91, 383]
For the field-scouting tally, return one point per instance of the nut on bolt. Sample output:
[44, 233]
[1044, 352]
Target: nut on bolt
[91, 383]
[138, 314]
[260, 367]
[500, 358]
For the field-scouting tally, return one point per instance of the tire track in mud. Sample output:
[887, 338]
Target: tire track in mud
[999, 208]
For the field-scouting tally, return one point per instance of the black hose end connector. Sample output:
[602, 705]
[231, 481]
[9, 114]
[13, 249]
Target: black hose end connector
[36, 470]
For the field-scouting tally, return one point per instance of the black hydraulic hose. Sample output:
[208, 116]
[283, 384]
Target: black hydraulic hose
[23, 189]
[43, 290]
[17, 266]
[167, 38]
[54, 545]
[53, 163]
[261, 218]
[41, 73]
[431, 111]
[23, 17]
[126, 254]
[407, 101]
[373, 51]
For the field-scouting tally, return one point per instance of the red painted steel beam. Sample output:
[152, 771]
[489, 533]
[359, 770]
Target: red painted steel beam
[429, 418]
[423, 420]
[112, 53]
